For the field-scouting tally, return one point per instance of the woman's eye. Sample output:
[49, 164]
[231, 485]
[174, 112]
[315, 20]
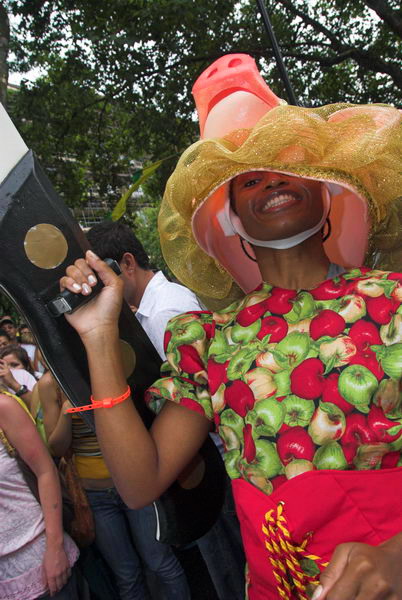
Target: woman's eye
[251, 182]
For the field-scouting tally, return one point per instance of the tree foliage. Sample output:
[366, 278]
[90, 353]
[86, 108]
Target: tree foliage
[117, 74]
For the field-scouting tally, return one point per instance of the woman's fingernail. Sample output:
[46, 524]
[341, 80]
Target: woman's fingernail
[92, 254]
[86, 289]
[317, 593]
[77, 287]
[92, 279]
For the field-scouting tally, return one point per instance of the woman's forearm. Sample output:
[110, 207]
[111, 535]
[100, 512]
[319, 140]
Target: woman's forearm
[59, 439]
[51, 503]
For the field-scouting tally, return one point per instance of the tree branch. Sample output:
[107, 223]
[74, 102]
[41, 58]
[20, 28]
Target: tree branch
[390, 17]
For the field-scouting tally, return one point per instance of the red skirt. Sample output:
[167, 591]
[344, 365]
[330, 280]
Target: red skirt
[320, 508]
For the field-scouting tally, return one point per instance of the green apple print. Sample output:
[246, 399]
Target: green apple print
[392, 332]
[298, 411]
[255, 475]
[292, 350]
[186, 333]
[243, 335]
[267, 458]
[303, 307]
[230, 418]
[229, 437]
[330, 456]
[266, 417]
[327, 424]
[232, 460]
[240, 363]
[282, 382]
[219, 344]
[389, 398]
[357, 384]
[390, 359]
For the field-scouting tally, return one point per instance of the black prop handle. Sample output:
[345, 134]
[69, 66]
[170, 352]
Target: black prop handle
[67, 302]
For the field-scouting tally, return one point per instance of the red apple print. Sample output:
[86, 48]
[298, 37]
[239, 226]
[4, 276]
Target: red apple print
[216, 375]
[166, 339]
[368, 359]
[349, 450]
[279, 301]
[209, 329]
[357, 431]
[331, 394]
[378, 422]
[239, 397]
[395, 277]
[190, 361]
[329, 290]
[381, 309]
[192, 405]
[277, 327]
[252, 313]
[364, 333]
[390, 460]
[249, 451]
[327, 322]
[306, 380]
[295, 443]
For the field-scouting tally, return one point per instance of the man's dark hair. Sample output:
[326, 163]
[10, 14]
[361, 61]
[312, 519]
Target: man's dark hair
[111, 239]
[4, 333]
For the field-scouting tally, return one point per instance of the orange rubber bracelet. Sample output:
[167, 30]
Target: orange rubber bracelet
[105, 403]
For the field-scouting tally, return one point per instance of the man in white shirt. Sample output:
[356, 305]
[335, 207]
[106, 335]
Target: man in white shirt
[155, 300]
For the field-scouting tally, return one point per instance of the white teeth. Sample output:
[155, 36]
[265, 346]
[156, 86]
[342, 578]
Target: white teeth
[277, 201]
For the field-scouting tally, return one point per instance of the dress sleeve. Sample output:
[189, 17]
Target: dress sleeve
[184, 374]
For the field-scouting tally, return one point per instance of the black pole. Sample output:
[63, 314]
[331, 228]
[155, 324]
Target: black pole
[277, 53]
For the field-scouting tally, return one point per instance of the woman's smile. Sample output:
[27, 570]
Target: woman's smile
[276, 201]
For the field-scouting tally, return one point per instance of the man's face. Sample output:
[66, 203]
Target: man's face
[4, 341]
[10, 329]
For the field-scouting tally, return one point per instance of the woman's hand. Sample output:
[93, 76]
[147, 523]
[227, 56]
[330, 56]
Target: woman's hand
[102, 313]
[56, 569]
[362, 572]
[7, 376]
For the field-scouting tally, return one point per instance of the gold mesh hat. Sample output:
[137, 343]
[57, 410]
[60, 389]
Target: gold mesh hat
[356, 150]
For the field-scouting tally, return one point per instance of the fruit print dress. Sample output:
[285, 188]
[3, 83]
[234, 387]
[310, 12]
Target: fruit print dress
[296, 382]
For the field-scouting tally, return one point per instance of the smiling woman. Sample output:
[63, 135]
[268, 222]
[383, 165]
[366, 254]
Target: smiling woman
[300, 373]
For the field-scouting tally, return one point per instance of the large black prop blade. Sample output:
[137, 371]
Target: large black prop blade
[38, 239]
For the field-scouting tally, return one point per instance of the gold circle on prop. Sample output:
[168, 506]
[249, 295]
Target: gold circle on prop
[45, 246]
[129, 358]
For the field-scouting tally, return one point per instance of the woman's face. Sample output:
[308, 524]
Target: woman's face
[272, 206]
[13, 362]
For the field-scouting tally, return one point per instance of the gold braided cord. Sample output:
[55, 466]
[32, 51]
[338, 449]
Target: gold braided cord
[301, 141]
[285, 557]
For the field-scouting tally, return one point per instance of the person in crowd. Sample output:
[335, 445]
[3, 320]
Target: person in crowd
[36, 557]
[27, 341]
[17, 358]
[16, 372]
[301, 374]
[4, 339]
[10, 328]
[123, 536]
[158, 300]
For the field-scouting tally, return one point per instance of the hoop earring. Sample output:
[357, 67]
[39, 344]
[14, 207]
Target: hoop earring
[245, 250]
[325, 236]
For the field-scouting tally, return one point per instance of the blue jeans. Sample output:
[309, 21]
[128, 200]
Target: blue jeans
[126, 539]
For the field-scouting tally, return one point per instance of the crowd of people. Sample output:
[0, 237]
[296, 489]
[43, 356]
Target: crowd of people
[293, 357]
